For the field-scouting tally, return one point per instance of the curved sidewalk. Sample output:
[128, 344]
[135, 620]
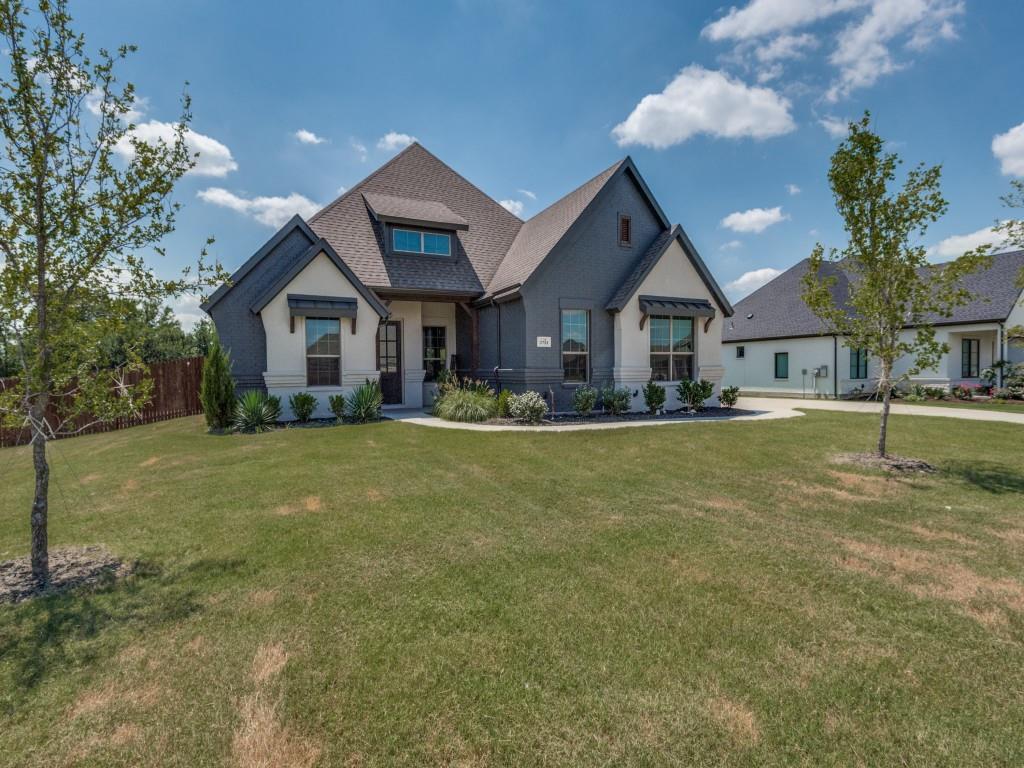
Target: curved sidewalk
[784, 404]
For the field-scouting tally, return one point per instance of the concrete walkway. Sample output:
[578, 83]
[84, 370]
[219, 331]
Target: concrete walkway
[425, 420]
[786, 404]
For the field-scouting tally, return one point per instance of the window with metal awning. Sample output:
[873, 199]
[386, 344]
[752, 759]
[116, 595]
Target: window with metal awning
[302, 305]
[675, 307]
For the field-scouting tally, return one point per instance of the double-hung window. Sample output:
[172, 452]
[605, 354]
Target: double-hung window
[323, 352]
[435, 351]
[671, 348]
[575, 345]
[970, 358]
[429, 243]
[782, 365]
[858, 363]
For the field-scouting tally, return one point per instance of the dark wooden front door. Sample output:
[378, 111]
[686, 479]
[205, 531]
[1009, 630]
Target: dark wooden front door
[389, 360]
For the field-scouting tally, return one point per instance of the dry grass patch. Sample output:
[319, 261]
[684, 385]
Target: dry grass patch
[268, 662]
[373, 495]
[125, 733]
[930, 534]
[263, 597]
[736, 718]
[872, 486]
[110, 694]
[151, 461]
[261, 741]
[308, 504]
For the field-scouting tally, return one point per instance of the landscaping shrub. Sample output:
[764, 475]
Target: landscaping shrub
[449, 381]
[337, 405]
[529, 407]
[255, 412]
[616, 400]
[584, 399]
[961, 392]
[694, 393]
[728, 396]
[364, 403]
[217, 389]
[503, 397]
[303, 404]
[465, 405]
[654, 396]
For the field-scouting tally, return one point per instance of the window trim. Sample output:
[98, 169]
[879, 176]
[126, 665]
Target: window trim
[776, 371]
[741, 352]
[692, 354]
[444, 356]
[971, 347]
[305, 336]
[858, 363]
[561, 344]
[626, 219]
[420, 233]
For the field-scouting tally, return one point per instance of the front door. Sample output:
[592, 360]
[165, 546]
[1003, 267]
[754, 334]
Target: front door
[389, 361]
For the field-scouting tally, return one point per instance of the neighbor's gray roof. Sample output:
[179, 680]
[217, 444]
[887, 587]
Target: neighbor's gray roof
[405, 210]
[541, 233]
[415, 174]
[776, 310]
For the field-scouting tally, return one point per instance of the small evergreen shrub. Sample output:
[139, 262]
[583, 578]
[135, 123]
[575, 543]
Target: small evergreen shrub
[654, 396]
[616, 400]
[255, 412]
[584, 399]
[364, 403]
[217, 389]
[337, 405]
[694, 393]
[465, 405]
[528, 407]
[728, 396]
[303, 405]
[503, 397]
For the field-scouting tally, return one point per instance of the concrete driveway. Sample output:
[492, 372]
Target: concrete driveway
[864, 406]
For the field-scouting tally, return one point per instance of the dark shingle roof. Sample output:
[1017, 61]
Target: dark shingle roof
[409, 211]
[540, 234]
[776, 310]
[416, 174]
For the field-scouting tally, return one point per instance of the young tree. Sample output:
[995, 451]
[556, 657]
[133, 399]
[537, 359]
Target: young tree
[73, 217]
[217, 389]
[891, 284]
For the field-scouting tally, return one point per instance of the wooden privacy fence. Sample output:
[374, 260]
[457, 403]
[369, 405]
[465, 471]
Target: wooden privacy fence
[175, 393]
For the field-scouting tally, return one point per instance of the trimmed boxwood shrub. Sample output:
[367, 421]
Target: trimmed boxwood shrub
[337, 405]
[303, 405]
[694, 393]
[584, 399]
[465, 405]
[616, 400]
[728, 396]
[654, 396]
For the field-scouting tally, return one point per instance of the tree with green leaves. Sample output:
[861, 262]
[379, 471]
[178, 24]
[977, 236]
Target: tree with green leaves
[74, 216]
[894, 293]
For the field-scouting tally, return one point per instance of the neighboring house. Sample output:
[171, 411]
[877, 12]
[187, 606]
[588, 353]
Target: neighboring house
[774, 344]
[415, 270]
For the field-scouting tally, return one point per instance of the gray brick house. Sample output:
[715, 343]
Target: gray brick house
[414, 270]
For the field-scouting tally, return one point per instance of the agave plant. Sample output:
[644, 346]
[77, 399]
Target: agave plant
[255, 412]
[364, 403]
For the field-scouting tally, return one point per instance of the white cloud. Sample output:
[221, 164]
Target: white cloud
[755, 220]
[957, 245]
[785, 47]
[515, 207]
[705, 101]
[835, 127]
[793, 189]
[862, 52]
[360, 148]
[214, 158]
[138, 108]
[392, 141]
[272, 211]
[749, 282]
[732, 245]
[1009, 150]
[308, 137]
[186, 309]
[528, 194]
[766, 17]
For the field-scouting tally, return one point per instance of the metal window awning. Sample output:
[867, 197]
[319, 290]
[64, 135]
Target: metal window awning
[302, 305]
[675, 307]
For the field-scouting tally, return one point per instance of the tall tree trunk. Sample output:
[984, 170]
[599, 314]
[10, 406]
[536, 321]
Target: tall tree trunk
[883, 426]
[40, 502]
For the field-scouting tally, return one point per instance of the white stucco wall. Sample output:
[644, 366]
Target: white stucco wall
[1015, 352]
[286, 351]
[673, 275]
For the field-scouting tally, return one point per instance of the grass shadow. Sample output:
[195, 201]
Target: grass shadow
[987, 475]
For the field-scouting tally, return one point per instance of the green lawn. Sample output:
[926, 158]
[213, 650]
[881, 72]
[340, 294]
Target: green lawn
[1002, 406]
[697, 594]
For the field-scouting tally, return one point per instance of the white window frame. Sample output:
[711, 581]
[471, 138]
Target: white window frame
[420, 235]
[305, 349]
[692, 354]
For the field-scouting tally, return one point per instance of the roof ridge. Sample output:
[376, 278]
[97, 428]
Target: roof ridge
[363, 181]
[611, 168]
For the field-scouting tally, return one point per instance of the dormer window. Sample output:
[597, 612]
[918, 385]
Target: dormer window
[625, 230]
[429, 243]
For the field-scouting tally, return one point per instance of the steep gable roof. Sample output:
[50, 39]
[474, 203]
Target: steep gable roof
[776, 310]
[417, 175]
[652, 256]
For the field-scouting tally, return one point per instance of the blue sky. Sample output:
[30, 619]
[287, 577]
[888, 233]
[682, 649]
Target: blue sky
[728, 111]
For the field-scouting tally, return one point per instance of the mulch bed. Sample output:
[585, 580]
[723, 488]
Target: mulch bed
[897, 464]
[607, 418]
[69, 568]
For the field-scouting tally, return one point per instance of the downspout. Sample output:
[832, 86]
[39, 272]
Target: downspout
[835, 366]
[1002, 352]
